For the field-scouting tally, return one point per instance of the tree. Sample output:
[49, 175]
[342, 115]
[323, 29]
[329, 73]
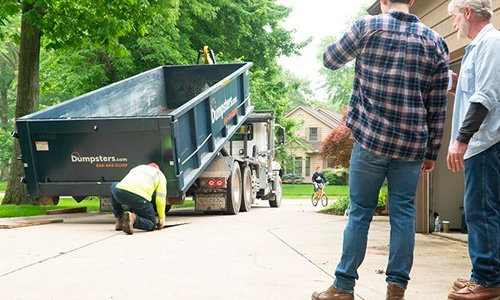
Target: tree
[338, 144]
[64, 23]
[338, 84]
[9, 57]
[87, 44]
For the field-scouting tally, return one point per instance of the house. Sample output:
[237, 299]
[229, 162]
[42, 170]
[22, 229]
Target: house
[441, 191]
[317, 124]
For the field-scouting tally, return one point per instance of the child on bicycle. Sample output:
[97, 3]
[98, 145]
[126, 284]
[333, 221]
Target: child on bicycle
[318, 179]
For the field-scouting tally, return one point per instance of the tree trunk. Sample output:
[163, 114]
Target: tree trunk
[26, 103]
[3, 99]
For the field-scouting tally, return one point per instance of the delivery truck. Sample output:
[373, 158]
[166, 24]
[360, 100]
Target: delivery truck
[195, 121]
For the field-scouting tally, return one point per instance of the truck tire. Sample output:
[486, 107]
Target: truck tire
[277, 195]
[247, 193]
[233, 196]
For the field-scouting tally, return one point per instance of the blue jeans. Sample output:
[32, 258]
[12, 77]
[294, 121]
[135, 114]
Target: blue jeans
[366, 176]
[482, 214]
[142, 208]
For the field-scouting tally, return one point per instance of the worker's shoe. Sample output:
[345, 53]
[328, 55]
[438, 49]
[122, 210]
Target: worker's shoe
[395, 292]
[474, 291]
[128, 222]
[459, 284]
[332, 294]
[119, 223]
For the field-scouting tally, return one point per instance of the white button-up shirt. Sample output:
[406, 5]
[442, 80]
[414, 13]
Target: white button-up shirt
[479, 81]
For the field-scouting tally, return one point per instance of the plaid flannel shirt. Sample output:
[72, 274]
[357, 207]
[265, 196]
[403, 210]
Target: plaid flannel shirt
[398, 103]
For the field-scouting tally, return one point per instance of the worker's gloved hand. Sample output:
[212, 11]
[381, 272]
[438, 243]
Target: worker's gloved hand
[161, 224]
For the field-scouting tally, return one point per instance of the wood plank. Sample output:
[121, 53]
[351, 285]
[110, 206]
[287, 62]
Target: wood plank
[436, 16]
[175, 223]
[30, 223]
[66, 211]
[423, 7]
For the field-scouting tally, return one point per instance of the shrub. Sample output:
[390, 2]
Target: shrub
[292, 178]
[337, 146]
[338, 207]
[337, 176]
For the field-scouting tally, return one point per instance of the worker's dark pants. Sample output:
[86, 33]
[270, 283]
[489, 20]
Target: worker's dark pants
[142, 208]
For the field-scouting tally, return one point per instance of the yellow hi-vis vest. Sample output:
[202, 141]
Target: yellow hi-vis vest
[144, 180]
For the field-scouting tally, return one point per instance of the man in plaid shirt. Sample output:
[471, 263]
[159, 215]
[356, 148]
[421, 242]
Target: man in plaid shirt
[396, 116]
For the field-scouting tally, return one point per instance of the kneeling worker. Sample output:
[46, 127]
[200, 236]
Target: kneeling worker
[136, 191]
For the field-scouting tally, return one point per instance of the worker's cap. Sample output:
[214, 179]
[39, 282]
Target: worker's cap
[154, 165]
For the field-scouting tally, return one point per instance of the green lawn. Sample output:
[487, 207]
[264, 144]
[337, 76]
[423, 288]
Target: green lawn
[8, 211]
[3, 186]
[304, 191]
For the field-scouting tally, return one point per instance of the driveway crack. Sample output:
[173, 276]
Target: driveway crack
[306, 258]
[58, 255]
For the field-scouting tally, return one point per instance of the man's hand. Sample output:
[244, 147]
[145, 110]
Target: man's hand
[455, 158]
[453, 89]
[161, 224]
[427, 166]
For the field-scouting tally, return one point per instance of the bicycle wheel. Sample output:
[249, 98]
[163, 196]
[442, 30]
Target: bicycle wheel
[324, 200]
[314, 200]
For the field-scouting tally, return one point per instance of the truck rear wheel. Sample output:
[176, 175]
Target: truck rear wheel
[277, 194]
[233, 196]
[247, 195]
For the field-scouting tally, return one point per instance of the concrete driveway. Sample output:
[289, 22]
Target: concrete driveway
[284, 253]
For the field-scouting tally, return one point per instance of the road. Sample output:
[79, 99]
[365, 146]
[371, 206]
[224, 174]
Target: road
[284, 253]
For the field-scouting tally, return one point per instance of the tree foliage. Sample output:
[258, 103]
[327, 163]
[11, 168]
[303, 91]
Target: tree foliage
[65, 24]
[338, 84]
[85, 45]
[338, 144]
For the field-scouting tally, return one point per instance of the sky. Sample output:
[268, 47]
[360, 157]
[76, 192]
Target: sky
[316, 19]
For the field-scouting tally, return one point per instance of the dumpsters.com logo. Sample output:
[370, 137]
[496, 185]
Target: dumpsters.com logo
[76, 157]
[219, 112]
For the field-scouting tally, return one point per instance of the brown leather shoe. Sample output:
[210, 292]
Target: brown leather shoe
[459, 284]
[332, 294]
[395, 292]
[118, 223]
[474, 291]
[128, 222]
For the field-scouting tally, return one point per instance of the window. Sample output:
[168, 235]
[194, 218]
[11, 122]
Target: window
[308, 166]
[329, 163]
[240, 134]
[313, 133]
[298, 165]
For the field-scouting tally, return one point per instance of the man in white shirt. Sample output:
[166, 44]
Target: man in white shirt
[475, 145]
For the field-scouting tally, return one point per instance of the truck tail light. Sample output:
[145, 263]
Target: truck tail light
[213, 183]
[219, 183]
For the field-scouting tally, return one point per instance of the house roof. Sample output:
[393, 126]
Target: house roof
[335, 117]
[321, 117]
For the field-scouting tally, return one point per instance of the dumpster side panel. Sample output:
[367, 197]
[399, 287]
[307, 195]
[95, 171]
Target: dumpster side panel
[210, 119]
[140, 95]
[69, 154]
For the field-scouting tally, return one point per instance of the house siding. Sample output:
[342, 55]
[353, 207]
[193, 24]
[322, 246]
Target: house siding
[309, 150]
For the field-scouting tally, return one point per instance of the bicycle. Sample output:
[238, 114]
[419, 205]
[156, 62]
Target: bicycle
[320, 195]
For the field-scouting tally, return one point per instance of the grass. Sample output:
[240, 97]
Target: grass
[92, 204]
[304, 191]
[11, 210]
[3, 186]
